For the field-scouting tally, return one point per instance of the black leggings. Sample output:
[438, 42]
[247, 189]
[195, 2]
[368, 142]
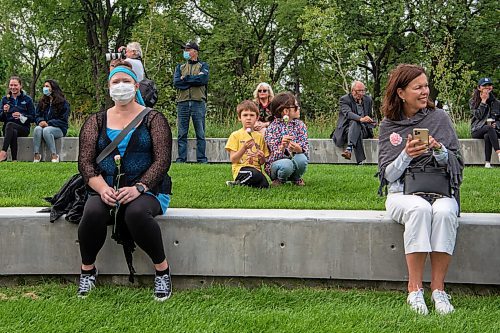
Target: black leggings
[139, 219]
[12, 132]
[490, 137]
[252, 177]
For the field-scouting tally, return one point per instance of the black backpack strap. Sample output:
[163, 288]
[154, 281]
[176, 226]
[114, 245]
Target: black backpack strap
[122, 134]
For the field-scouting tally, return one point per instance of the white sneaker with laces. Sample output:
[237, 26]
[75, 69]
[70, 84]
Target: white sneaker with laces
[487, 165]
[417, 302]
[442, 302]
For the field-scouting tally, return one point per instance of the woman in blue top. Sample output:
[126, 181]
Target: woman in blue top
[17, 114]
[143, 189]
[52, 115]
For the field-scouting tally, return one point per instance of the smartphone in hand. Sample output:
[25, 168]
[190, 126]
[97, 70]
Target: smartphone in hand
[422, 134]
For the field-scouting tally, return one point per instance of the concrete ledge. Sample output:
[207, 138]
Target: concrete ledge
[327, 244]
[322, 151]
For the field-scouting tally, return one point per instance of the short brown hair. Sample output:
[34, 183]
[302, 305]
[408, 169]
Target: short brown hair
[399, 77]
[280, 102]
[247, 105]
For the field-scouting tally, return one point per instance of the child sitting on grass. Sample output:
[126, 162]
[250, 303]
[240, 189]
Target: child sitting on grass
[287, 140]
[247, 149]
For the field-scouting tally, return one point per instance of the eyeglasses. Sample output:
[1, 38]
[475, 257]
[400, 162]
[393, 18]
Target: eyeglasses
[262, 90]
[360, 91]
[293, 107]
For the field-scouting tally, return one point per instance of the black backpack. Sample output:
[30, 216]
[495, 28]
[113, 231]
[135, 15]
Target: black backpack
[149, 92]
[148, 89]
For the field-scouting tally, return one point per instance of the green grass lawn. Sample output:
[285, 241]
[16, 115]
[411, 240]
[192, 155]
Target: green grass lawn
[54, 307]
[203, 186]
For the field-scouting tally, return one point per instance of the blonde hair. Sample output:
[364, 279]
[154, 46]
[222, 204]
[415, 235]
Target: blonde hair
[265, 85]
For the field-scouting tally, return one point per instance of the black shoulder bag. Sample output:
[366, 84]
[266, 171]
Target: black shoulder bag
[71, 198]
[428, 180]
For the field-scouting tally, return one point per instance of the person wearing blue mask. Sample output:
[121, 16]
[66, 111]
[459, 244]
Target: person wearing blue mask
[131, 181]
[51, 118]
[191, 80]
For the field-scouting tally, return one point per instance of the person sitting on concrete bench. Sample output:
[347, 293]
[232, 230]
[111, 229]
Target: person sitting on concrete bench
[355, 122]
[262, 96]
[17, 114]
[52, 115]
[485, 123]
[430, 221]
[132, 181]
[247, 149]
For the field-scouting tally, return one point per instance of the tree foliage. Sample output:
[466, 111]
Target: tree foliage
[312, 48]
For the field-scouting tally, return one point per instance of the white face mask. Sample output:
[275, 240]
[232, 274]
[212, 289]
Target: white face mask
[122, 93]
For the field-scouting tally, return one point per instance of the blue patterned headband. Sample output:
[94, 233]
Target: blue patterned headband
[122, 69]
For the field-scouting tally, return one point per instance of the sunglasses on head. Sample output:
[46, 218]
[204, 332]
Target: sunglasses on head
[262, 90]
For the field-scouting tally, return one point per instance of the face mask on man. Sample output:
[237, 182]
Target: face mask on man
[186, 55]
[46, 91]
[122, 93]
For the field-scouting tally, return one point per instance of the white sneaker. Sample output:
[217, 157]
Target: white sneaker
[417, 302]
[488, 165]
[55, 158]
[442, 302]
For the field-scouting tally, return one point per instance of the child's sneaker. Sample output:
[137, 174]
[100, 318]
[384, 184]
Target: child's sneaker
[37, 158]
[299, 182]
[87, 282]
[163, 287]
[442, 302]
[276, 183]
[55, 158]
[417, 302]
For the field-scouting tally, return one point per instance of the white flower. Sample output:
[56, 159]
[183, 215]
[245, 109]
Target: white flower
[117, 160]
[286, 118]
[249, 130]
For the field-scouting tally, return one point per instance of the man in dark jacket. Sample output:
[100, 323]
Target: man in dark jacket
[355, 122]
[191, 79]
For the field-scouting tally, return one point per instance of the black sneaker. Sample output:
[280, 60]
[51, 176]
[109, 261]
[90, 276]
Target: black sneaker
[163, 287]
[87, 282]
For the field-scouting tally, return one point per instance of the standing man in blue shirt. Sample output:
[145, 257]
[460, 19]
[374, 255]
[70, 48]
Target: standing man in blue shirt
[191, 79]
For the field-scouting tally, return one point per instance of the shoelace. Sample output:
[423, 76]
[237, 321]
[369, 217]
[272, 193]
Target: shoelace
[442, 296]
[162, 284]
[418, 299]
[86, 282]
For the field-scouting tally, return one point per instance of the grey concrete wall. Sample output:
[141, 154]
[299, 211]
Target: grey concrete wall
[322, 151]
[353, 245]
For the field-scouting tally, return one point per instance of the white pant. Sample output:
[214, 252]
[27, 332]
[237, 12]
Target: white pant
[427, 228]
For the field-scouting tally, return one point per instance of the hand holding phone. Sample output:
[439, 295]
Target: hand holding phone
[415, 147]
[421, 134]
